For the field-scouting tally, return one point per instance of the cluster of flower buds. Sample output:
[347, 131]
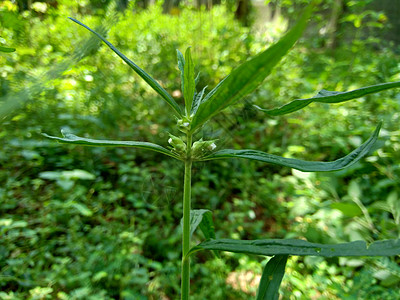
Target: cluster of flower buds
[184, 123]
[202, 148]
[177, 144]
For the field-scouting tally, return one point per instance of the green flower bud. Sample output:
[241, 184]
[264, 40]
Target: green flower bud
[178, 145]
[202, 148]
[184, 124]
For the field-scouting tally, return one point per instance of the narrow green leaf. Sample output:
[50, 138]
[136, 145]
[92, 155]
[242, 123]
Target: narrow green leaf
[271, 278]
[301, 247]
[197, 79]
[189, 82]
[146, 77]
[302, 165]
[325, 96]
[181, 67]
[248, 76]
[76, 140]
[6, 49]
[197, 100]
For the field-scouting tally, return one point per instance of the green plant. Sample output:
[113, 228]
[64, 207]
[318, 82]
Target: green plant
[6, 49]
[199, 108]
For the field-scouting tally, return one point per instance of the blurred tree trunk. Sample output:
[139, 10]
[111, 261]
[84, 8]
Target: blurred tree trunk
[169, 4]
[332, 31]
[144, 3]
[207, 3]
[242, 12]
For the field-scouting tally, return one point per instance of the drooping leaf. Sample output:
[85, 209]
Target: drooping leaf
[76, 140]
[271, 278]
[302, 165]
[325, 96]
[196, 217]
[207, 226]
[248, 76]
[6, 49]
[301, 247]
[146, 77]
[189, 81]
[202, 218]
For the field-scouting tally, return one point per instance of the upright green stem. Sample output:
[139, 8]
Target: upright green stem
[185, 280]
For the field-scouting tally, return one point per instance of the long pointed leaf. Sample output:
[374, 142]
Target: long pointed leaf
[146, 77]
[271, 278]
[301, 247]
[325, 96]
[197, 100]
[76, 140]
[189, 82]
[248, 76]
[302, 165]
[181, 67]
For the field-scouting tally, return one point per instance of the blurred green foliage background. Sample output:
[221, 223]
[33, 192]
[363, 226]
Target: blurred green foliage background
[98, 223]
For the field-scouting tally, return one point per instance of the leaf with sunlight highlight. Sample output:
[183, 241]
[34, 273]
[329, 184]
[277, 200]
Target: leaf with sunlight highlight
[302, 165]
[70, 138]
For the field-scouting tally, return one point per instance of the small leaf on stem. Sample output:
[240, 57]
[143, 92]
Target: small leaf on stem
[271, 278]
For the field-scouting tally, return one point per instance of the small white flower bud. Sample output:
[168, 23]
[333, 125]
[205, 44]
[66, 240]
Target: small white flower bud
[212, 147]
